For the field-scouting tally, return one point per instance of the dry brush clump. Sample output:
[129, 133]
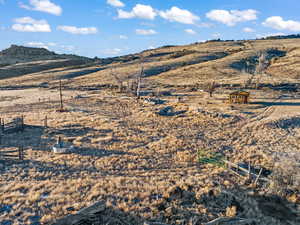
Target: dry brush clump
[285, 178]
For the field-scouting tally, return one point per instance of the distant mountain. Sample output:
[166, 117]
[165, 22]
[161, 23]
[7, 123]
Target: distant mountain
[276, 37]
[20, 60]
[20, 54]
[17, 51]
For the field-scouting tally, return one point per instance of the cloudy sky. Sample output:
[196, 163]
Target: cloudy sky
[107, 28]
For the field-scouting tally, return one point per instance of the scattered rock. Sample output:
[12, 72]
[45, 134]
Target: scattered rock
[154, 101]
[70, 208]
[169, 111]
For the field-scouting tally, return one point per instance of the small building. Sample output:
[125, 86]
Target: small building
[240, 97]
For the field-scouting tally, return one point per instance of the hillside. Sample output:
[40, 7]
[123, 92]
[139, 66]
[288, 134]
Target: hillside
[221, 61]
[201, 62]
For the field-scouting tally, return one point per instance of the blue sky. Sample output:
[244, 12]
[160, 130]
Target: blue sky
[107, 28]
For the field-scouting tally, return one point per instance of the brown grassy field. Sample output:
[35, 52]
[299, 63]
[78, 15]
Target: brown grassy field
[148, 167]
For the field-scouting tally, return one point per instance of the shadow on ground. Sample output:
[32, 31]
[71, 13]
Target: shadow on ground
[258, 209]
[99, 213]
[80, 73]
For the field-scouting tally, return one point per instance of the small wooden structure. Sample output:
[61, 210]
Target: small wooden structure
[240, 97]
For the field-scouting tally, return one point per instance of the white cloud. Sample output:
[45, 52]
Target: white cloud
[78, 30]
[145, 32]
[124, 37]
[139, 11]
[176, 14]
[37, 45]
[216, 35]
[147, 24]
[278, 23]
[232, 17]
[248, 30]
[190, 31]
[28, 24]
[269, 35]
[206, 25]
[115, 3]
[51, 44]
[68, 48]
[43, 6]
[114, 51]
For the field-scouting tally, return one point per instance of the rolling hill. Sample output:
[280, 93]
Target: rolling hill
[221, 61]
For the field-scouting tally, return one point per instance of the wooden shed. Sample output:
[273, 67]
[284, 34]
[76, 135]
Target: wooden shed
[240, 97]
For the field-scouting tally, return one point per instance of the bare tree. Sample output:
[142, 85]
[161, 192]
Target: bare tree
[247, 82]
[117, 78]
[255, 74]
[262, 63]
[210, 88]
[260, 67]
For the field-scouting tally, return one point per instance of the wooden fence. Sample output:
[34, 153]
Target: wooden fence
[13, 154]
[16, 125]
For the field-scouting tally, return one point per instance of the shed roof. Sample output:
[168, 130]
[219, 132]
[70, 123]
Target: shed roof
[244, 93]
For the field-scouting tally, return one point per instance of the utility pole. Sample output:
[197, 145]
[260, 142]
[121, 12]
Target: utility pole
[60, 94]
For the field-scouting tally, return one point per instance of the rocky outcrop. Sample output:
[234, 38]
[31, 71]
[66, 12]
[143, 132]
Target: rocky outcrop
[21, 51]
[20, 60]
[19, 54]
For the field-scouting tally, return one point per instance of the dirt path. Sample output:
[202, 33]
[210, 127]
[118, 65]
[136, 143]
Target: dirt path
[30, 96]
[281, 108]
[285, 108]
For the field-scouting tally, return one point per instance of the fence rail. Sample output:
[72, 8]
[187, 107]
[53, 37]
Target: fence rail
[13, 154]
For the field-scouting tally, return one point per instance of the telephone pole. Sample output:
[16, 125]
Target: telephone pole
[60, 94]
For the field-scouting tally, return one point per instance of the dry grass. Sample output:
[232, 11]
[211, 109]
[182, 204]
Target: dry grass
[137, 161]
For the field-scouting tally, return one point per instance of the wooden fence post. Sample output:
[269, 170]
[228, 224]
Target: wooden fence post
[59, 142]
[45, 122]
[249, 170]
[257, 178]
[22, 123]
[2, 125]
[21, 153]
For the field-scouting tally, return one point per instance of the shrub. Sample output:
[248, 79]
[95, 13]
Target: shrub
[285, 178]
[207, 157]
